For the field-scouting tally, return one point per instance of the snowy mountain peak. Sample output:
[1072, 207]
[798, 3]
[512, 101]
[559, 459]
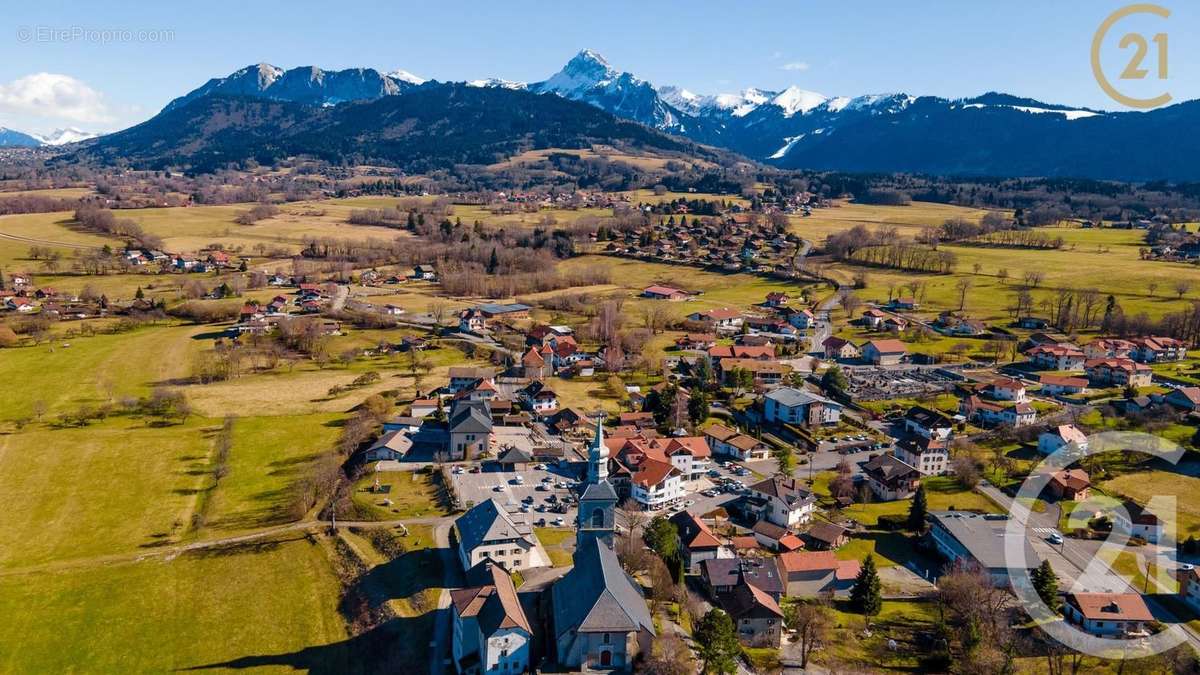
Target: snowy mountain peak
[796, 100]
[584, 71]
[497, 83]
[68, 135]
[405, 76]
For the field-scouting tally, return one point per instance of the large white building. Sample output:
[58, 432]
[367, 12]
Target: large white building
[788, 405]
[489, 532]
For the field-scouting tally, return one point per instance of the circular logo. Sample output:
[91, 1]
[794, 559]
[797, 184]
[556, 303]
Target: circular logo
[1134, 69]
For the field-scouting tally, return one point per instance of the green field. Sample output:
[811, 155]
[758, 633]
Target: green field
[157, 616]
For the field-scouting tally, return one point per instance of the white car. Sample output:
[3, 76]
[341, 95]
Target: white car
[1055, 538]
[689, 503]
[498, 488]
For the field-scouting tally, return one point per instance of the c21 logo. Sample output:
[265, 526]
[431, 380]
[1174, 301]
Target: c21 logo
[1134, 70]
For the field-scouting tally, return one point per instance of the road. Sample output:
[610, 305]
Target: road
[439, 645]
[823, 328]
[47, 242]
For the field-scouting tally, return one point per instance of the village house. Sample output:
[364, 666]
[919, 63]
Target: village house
[514, 310]
[1063, 385]
[656, 484]
[786, 501]
[425, 273]
[1109, 614]
[470, 429]
[721, 320]
[1109, 348]
[491, 632]
[721, 575]
[775, 538]
[763, 373]
[725, 441]
[539, 398]
[392, 445]
[930, 456]
[989, 414]
[696, 341]
[839, 349]
[1007, 389]
[756, 616]
[489, 532]
[884, 352]
[1189, 586]
[750, 352]
[471, 321]
[891, 479]
[811, 574]
[825, 536]
[697, 541]
[1064, 435]
[929, 423]
[1134, 520]
[788, 405]
[802, 319]
[1070, 485]
[776, 299]
[463, 377]
[1186, 399]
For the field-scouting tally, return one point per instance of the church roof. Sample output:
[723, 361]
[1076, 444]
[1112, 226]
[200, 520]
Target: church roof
[598, 492]
[598, 596]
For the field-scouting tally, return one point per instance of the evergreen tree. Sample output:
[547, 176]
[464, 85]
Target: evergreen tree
[917, 510]
[493, 262]
[698, 407]
[834, 380]
[866, 596]
[1045, 582]
[662, 537]
[678, 568]
[139, 294]
[717, 642]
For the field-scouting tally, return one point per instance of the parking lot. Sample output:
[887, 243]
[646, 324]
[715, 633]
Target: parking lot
[544, 495]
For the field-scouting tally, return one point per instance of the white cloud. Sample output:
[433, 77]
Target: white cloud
[794, 65]
[52, 95]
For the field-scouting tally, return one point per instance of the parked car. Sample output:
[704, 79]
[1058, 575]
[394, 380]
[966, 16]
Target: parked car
[498, 488]
[1055, 538]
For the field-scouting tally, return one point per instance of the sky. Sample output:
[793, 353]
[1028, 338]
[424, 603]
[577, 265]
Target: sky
[102, 66]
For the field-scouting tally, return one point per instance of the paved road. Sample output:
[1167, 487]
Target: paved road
[439, 645]
[47, 242]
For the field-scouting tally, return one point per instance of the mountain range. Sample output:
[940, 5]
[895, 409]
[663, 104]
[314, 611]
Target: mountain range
[10, 138]
[993, 134]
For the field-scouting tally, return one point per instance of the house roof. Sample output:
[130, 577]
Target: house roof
[888, 469]
[1072, 479]
[790, 490]
[598, 596]
[396, 441]
[761, 572]
[661, 290]
[808, 561]
[470, 417]
[694, 533]
[722, 314]
[770, 530]
[652, 472]
[742, 351]
[1069, 433]
[489, 521]
[720, 432]
[495, 605]
[515, 455]
[983, 536]
[790, 397]
[887, 346]
[826, 532]
[746, 600]
[1064, 381]
[1111, 606]
[927, 418]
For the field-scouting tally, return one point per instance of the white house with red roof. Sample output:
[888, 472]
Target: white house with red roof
[1108, 614]
[1057, 357]
[884, 352]
[1061, 436]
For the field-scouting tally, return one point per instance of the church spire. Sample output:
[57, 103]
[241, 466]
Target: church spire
[598, 455]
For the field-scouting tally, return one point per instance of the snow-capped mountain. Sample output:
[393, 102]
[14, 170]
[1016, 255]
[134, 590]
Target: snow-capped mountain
[307, 84]
[993, 134]
[65, 136]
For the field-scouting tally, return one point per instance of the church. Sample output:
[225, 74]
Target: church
[598, 614]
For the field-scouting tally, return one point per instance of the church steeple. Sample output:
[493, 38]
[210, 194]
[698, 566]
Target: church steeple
[598, 455]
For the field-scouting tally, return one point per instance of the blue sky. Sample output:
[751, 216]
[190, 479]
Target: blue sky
[955, 49]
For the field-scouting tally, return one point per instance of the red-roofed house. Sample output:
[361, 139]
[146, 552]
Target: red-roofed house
[884, 352]
[664, 293]
[698, 541]
[809, 574]
[1107, 614]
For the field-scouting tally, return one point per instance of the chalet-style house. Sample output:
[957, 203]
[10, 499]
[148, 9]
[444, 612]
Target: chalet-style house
[928, 423]
[756, 616]
[725, 441]
[990, 413]
[664, 293]
[469, 429]
[1056, 357]
[1118, 373]
[697, 541]
[1063, 385]
[891, 479]
[786, 502]
[840, 349]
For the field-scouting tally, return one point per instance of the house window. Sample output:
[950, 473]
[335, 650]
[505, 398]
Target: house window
[607, 639]
[598, 518]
